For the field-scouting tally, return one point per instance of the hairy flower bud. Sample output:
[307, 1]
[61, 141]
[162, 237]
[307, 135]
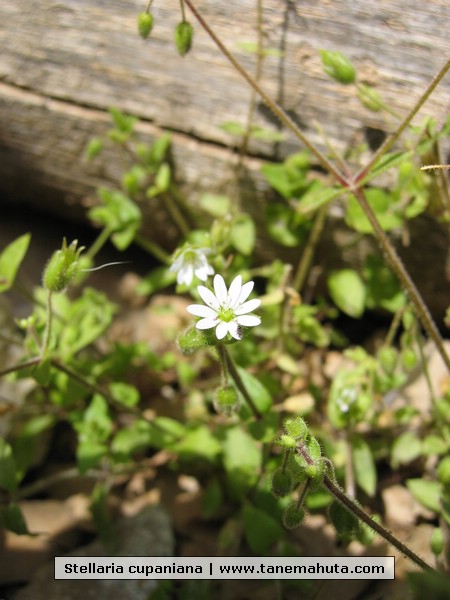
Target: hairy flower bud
[293, 516]
[145, 24]
[62, 267]
[282, 482]
[184, 33]
[226, 400]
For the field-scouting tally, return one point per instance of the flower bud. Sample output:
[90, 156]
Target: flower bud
[388, 358]
[369, 97]
[193, 339]
[226, 400]
[295, 427]
[145, 24]
[282, 482]
[337, 66]
[292, 516]
[184, 33]
[62, 267]
[286, 441]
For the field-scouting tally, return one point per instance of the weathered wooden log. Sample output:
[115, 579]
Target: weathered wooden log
[64, 63]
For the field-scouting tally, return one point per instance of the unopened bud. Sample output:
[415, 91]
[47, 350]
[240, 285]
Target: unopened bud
[282, 482]
[337, 66]
[145, 24]
[184, 33]
[62, 267]
[293, 516]
[226, 400]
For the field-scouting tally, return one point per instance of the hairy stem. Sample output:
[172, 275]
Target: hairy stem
[48, 325]
[399, 269]
[353, 507]
[271, 104]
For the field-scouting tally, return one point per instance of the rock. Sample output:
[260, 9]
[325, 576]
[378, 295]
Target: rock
[146, 534]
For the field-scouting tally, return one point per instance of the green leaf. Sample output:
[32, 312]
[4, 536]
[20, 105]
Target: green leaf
[406, 448]
[124, 394]
[215, 204]
[364, 465]
[167, 432]
[242, 457]
[123, 122]
[281, 226]
[316, 197]
[162, 181]
[243, 234]
[8, 475]
[12, 519]
[426, 492]
[88, 318]
[384, 206]
[347, 291]
[212, 498]
[134, 438]
[265, 429]
[386, 162]
[261, 530]
[382, 286]
[11, 259]
[287, 179]
[233, 128]
[198, 443]
[89, 454]
[29, 441]
[258, 393]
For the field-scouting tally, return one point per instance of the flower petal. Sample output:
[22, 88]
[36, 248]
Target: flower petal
[247, 307]
[221, 289]
[245, 292]
[235, 291]
[235, 330]
[248, 320]
[208, 297]
[207, 323]
[185, 275]
[203, 271]
[199, 310]
[221, 330]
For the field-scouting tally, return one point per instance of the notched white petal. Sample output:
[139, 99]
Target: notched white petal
[221, 289]
[208, 297]
[235, 291]
[221, 330]
[247, 307]
[206, 323]
[199, 310]
[248, 320]
[245, 292]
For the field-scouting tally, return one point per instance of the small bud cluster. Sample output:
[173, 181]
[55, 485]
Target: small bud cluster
[303, 465]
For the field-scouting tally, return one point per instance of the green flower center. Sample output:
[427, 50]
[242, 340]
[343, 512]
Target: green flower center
[226, 314]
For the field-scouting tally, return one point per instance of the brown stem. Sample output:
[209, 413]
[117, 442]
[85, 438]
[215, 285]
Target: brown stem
[404, 277]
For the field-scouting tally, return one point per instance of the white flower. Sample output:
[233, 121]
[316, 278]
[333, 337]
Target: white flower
[190, 262]
[226, 310]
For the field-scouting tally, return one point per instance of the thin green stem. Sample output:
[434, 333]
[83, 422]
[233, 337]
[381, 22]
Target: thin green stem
[48, 325]
[271, 104]
[29, 363]
[302, 495]
[101, 240]
[183, 14]
[308, 253]
[153, 249]
[238, 381]
[176, 214]
[390, 141]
